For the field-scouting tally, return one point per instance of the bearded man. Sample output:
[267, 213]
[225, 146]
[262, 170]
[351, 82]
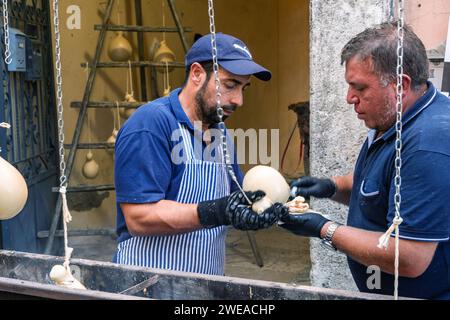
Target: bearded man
[175, 197]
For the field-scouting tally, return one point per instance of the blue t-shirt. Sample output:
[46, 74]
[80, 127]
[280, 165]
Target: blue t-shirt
[149, 155]
[425, 194]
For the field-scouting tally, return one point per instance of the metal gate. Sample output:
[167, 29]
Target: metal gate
[27, 103]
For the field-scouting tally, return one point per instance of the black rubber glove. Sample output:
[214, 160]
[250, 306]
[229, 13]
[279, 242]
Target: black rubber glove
[235, 210]
[310, 186]
[308, 224]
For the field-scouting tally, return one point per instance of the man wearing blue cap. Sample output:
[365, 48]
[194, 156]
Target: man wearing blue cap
[173, 200]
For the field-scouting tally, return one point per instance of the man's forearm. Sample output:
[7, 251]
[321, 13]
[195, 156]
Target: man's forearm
[161, 218]
[344, 186]
[361, 246]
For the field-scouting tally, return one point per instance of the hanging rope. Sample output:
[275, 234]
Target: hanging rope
[383, 242]
[87, 111]
[8, 58]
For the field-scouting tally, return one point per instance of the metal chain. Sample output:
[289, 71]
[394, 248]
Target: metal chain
[398, 142]
[62, 163]
[226, 156]
[8, 58]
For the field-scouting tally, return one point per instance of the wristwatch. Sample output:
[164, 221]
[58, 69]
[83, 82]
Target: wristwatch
[327, 240]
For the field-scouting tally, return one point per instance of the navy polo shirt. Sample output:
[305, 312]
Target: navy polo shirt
[425, 194]
[145, 170]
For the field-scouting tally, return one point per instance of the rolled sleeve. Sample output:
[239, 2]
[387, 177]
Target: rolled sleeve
[142, 167]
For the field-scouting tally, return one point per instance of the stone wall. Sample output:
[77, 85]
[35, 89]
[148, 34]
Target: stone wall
[336, 133]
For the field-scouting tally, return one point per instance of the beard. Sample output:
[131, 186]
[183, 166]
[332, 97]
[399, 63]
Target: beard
[387, 116]
[208, 113]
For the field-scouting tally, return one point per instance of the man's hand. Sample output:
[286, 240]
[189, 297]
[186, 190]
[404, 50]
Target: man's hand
[235, 210]
[310, 186]
[308, 224]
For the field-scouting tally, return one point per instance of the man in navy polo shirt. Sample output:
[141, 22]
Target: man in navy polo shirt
[174, 192]
[424, 263]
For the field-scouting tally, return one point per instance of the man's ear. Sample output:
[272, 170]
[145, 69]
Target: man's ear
[197, 74]
[406, 83]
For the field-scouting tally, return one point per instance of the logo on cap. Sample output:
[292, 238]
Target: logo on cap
[243, 49]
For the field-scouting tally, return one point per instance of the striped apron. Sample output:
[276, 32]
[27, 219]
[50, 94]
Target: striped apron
[201, 251]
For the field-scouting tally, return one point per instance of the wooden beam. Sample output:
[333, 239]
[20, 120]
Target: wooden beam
[130, 28]
[135, 64]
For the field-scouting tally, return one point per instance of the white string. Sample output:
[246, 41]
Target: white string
[87, 110]
[5, 125]
[131, 78]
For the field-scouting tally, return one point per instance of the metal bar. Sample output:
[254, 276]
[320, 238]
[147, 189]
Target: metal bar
[78, 233]
[140, 28]
[135, 64]
[85, 188]
[81, 116]
[178, 23]
[141, 286]
[98, 145]
[141, 53]
[106, 104]
[254, 245]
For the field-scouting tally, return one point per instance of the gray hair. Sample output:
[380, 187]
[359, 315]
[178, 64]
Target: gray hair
[380, 44]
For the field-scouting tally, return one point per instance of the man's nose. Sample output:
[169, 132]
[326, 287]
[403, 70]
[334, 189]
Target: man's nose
[237, 99]
[352, 98]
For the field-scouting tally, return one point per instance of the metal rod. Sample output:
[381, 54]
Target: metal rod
[253, 244]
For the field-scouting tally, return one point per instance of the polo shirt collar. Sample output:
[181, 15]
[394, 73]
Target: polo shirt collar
[421, 104]
[177, 109]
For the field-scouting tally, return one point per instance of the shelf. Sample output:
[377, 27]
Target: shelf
[87, 188]
[107, 104]
[78, 233]
[131, 28]
[98, 145]
[134, 64]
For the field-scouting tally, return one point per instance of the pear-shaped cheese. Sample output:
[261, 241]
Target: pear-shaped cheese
[13, 190]
[63, 277]
[270, 181]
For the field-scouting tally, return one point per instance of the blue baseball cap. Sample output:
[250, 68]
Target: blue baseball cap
[233, 56]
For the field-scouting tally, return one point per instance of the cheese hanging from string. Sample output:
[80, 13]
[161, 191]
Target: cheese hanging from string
[13, 188]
